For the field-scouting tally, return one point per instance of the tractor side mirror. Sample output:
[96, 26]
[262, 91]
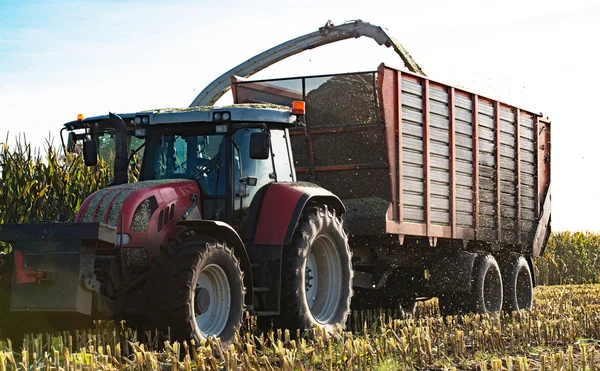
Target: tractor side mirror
[259, 145]
[90, 152]
[71, 142]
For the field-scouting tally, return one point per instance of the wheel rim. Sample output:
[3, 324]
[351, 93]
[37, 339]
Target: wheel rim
[492, 291]
[212, 300]
[524, 290]
[323, 279]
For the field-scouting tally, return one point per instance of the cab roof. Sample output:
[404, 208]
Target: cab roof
[248, 112]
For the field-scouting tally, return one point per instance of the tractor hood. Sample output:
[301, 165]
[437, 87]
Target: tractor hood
[136, 200]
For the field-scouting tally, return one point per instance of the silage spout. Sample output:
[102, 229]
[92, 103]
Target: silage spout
[121, 157]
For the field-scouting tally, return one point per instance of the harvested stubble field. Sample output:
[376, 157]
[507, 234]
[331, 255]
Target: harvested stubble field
[561, 333]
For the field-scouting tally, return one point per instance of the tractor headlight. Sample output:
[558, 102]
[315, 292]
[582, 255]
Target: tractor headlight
[226, 116]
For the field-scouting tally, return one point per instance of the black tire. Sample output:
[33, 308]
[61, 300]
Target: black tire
[174, 298]
[486, 286]
[317, 225]
[518, 284]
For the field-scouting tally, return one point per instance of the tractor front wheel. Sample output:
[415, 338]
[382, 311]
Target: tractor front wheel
[195, 288]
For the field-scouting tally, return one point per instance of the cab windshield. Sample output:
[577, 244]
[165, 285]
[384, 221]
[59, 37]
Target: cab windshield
[196, 157]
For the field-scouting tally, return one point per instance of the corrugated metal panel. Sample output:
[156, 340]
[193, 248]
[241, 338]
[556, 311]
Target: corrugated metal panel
[411, 115]
[464, 220]
[486, 147]
[440, 189]
[416, 144]
[487, 159]
[440, 163]
[508, 164]
[411, 87]
[413, 215]
[440, 203]
[464, 180]
[439, 149]
[507, 114]
[487, 208]
[439, 122]
[413, 171]
[463, 102]
[414, 186]
[527, 156]
[439, 135]
[439, 176]
[527, 145]
[463, 154]
[487, 134]
[440, 217]
[412, 101]
[464, 128]
[438, 94]
[463, 167]
[508, 152]
[465, 207]
[463, 141]
[486, 109]
[527, 133]
[486, 121]
[439, 108]
[411, 128]
[412, 158]
[508, 187]
[463, 116]
[508, 128]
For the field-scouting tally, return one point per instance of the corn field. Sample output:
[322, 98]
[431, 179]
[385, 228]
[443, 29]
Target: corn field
[559, 334]
[47, 185]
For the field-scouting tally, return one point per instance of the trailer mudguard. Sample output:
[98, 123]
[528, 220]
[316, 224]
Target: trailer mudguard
[221, 230]
[281, 207]
[452, 272]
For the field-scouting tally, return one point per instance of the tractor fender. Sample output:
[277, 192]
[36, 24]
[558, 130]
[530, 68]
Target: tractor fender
[281, 208]
[223, 231]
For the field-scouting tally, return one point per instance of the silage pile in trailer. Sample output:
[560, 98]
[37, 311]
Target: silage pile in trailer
[342, 100]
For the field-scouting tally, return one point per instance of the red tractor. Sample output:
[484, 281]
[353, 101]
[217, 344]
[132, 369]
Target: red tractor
[216, 226]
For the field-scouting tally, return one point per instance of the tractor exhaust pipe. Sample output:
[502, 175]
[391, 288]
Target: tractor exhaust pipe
[121, 165]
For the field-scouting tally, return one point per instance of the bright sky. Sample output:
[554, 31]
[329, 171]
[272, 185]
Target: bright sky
[58, 59]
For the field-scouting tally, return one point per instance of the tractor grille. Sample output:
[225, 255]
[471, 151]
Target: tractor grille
[105, 206]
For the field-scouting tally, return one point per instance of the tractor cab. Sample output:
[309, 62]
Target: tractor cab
[229, 152]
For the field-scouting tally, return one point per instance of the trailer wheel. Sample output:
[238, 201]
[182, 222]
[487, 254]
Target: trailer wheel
[195, 289]
[316, 282]
[518, 284]
[486, 287]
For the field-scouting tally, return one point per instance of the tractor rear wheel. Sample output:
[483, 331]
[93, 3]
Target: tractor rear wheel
[316, 278]
[195, 288]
